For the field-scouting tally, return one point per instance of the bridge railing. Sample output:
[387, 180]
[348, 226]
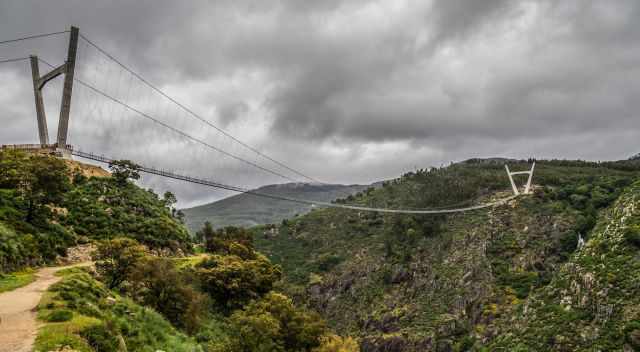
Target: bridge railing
[33, 147]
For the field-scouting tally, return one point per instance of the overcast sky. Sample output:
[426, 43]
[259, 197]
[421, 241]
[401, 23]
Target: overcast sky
[349, 91]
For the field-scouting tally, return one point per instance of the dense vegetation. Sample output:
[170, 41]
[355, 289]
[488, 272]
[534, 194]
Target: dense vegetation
[420, 283]
[85, 316]
[220, 301]
[140, 299]
[45, 207]
[592, 301]
[28, 234]
[515, 277]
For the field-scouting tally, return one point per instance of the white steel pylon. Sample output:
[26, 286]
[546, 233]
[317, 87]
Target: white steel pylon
[527, 188]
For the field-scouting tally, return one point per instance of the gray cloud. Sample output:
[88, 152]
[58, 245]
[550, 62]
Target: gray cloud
[369, 88]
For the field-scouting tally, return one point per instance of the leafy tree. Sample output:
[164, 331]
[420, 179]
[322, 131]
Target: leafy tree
[123, 170]
[169, 199]
[44, 207]
[39, 180]
[101, 209]
[204, 233]
[274, 324]
[220, 241]
[47, 181]
[179, 214]
[116, 259]
[12, 169]
[158, 284]
[232, 281]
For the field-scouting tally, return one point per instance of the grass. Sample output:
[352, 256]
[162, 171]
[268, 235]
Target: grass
[10, 282]
[96, 314]
[189, 261]
[55, 335]
[70, 271]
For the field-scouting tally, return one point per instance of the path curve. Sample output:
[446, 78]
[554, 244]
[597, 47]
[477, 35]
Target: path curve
[18, 326]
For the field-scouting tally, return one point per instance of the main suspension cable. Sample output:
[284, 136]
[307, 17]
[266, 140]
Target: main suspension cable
[183, 134]
[32, 37]
[193, 114]
[4, 61]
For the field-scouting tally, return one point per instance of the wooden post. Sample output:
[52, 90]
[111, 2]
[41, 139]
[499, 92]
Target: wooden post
[43, 132]
[65, 106]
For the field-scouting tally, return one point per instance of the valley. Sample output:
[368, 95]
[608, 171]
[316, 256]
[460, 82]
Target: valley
[494, 278]
[320, 176]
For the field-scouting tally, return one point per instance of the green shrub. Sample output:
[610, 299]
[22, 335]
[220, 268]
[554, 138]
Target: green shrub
[104, 208]
[232, 282]
[327, 261]
[60, 315]
[633, 333]
[632, 236]
[227, 240]
[159, 285]
[274, 324]
[142, 329]
[115, 259]
[34, 230]
[100, 338]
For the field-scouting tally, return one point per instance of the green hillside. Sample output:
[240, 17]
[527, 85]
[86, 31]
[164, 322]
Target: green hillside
[473, 281]
[593, 300]
[140, 294]
[47, 206]
[513, 277]
[249, 210]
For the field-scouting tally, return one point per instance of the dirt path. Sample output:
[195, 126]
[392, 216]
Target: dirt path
[18, 326]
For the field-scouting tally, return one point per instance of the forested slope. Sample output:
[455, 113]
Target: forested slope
[442, 283]
[48, 205]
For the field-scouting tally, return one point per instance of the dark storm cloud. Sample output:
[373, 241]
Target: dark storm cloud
[371, 83]
[566, 81]
[457, 18]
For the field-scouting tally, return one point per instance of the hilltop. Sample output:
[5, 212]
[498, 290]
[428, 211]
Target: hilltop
[249, 210]
[48, 205]
[474, 281]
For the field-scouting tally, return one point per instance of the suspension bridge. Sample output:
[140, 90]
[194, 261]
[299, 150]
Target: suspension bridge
[103, 90]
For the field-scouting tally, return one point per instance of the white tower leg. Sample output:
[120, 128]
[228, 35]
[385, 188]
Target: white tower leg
[528, 187]
[513, 184]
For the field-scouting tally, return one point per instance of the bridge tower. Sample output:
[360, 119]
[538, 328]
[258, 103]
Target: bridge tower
[67, 69]
[527, 188]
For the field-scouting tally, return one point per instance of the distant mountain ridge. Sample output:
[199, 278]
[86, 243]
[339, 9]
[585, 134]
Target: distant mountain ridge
[250, 210]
